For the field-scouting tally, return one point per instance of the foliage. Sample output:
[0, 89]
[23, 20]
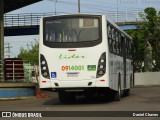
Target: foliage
[138, 56]
[151, 29]
[148, 34]
[30, 55]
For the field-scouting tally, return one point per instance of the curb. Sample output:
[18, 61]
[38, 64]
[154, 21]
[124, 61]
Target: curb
[18, 98]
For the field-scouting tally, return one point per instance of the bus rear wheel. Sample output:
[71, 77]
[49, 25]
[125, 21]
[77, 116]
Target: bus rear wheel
[127, 92]
[65, 97]
[117, 96]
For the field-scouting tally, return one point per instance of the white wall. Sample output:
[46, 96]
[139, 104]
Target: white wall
[147, 78]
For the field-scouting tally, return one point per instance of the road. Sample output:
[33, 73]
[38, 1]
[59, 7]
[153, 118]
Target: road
[141, 99]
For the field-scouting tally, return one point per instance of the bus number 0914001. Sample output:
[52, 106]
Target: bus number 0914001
[73, 68]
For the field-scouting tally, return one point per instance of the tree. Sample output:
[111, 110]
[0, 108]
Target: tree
[30, 55]
[138, 56]
[147, 41]
[151, 30]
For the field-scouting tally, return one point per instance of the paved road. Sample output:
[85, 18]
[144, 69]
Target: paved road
[141, 99]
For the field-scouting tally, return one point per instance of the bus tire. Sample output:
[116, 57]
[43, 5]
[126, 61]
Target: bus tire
[117, 96]
[126, 92]
[131, 81]
[65, 97]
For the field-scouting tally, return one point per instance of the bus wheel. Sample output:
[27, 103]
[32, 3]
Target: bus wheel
[65, 97]
[117, 96]
[131, 81]
[126, 92]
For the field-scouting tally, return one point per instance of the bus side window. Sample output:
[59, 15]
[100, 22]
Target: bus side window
[109, 33]
[119, 44]
[114, 46]
[130, 49]
[114, 41]
[122, 45]
[127, 48]
[110, 43]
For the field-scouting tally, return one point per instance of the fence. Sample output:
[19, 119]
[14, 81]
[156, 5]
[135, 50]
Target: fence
[29, 72]
[13, 70]
[30, 19]
[1, 71]
[14, 74]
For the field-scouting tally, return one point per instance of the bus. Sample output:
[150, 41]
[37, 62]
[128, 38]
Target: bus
[84, 54]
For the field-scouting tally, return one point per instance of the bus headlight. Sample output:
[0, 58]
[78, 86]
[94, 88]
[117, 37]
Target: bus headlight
[101, 69]
[101, 72]
[102, 60]
[45, 74]
[44, 67]
[101, 66]
[43, 62]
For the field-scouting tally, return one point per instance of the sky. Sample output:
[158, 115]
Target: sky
[109, 7]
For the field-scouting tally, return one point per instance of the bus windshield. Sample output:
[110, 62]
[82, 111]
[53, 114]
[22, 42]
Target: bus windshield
[71, 30]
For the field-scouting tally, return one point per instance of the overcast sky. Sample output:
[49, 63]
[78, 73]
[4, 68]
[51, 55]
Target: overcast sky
[70, 6]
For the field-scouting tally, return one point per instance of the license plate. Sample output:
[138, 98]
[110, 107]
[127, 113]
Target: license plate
[72, 74]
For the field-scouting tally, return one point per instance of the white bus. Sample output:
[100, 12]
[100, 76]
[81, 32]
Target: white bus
[84, 54]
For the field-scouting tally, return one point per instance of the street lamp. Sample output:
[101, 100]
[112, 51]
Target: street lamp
[55, 6]
[79, 6]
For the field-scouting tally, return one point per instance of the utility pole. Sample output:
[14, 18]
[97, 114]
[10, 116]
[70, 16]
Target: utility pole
[55, 7]
[8, 50]
[117, 12]
[1, 38]
[27, 46]
[79, 10]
